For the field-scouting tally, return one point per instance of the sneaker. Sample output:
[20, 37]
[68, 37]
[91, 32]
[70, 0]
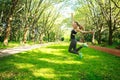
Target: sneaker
[84, 45]
[80, 54]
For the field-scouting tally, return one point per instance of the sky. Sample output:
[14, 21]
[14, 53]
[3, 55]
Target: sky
[67, 8]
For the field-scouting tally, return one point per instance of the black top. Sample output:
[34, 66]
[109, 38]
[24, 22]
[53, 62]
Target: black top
[72, 36]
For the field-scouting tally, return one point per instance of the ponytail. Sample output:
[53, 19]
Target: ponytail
[80, 27]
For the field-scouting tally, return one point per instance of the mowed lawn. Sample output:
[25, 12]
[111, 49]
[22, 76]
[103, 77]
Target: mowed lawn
[54, 62]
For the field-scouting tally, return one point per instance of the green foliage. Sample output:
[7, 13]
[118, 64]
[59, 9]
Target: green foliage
[38, 18]
[31, 19]
[98, 15]
[54, 62]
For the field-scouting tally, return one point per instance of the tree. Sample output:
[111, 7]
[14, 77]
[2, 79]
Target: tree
[8, 21]
[111, 13]
[101, 15]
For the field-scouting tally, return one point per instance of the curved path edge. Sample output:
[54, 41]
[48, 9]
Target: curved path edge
[10, 51]
[107, 50]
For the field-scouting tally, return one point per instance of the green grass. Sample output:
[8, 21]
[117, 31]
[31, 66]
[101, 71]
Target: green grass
[15, 44]
[10, 45]
[54, 62]
[113, 46]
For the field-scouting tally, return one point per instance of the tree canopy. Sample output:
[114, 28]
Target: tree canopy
[41, 20]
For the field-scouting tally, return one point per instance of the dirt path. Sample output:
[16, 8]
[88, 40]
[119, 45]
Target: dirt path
[10, 51]
[108, 50]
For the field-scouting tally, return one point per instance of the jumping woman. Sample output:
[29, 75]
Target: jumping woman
[76, 28]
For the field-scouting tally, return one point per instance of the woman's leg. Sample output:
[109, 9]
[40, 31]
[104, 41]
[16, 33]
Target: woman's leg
[72, 47]
[83, 45]
[78, 48]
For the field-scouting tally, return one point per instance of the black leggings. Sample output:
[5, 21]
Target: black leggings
[72, 47]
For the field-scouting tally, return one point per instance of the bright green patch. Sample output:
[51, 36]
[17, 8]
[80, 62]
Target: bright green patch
[54, 62]
[10, 45]
[15, 44]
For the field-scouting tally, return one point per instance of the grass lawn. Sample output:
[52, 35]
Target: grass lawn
[10, 45]
[14, 44]
[54, 62]
[113, 46]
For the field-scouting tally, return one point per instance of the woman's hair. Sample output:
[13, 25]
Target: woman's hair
[80, 27]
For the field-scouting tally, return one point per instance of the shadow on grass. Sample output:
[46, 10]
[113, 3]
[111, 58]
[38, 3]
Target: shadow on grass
[58, 47]
[32, 65]
[55, 63]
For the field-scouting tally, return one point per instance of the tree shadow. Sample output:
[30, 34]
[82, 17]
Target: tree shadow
[43, 65]
[58, 47]
[18, 66]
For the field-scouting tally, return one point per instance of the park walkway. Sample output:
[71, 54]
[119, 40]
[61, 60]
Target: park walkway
[10, 51]
[107, 50]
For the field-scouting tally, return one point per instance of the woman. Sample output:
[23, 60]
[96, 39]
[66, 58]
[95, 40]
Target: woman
[76, 28]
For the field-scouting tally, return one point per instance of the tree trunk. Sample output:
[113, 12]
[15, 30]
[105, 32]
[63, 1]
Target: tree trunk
[99, 37]
[25, 35]
[110, 32]
[33, 35]
[41, 38]
[48, 35]
[93, 38]
[8, 28]
[110, 26]
[7, 34]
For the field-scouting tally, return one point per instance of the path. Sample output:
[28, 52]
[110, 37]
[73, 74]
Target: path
[108, 50]
[6, 52]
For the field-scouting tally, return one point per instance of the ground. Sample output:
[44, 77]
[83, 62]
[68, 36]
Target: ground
[9, 51]
[108, 50]
[54, 62]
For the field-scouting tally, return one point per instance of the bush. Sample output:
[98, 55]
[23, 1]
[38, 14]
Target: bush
[62, 39]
